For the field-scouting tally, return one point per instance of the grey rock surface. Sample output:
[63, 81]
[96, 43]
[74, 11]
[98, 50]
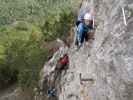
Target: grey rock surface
[110, 64]
[106, 63]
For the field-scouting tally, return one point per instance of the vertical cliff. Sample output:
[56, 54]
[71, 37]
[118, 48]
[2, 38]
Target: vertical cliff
[103, 70]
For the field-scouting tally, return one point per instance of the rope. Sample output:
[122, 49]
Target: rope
[86, 4]
[63, 93]
[124, 17]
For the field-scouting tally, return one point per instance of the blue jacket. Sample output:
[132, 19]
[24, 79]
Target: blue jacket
[80, 31]
[82, 28]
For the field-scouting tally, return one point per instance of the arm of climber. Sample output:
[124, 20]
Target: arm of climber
[80, 32]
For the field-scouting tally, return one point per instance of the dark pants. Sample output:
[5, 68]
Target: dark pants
[84, 37]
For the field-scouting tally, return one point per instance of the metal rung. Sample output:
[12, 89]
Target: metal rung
[85, 79]
[124, 17]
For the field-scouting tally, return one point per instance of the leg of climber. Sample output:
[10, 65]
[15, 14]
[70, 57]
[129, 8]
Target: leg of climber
[80, 35]
[76, 42]
[79, 24]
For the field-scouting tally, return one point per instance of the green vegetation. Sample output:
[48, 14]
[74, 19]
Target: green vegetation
[24, 26]
[21, 53]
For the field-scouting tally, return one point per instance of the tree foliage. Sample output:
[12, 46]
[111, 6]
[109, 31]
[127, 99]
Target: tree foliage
[24, 26]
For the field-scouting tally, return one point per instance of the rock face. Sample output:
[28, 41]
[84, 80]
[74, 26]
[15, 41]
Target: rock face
[104, 69]
[108, 63]
[51, 76]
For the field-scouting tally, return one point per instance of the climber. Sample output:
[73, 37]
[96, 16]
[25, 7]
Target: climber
[83, 29]
[62, 62]
[62, 65]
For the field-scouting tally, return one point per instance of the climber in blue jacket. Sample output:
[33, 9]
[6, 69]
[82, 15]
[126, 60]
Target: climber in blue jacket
[83, 29]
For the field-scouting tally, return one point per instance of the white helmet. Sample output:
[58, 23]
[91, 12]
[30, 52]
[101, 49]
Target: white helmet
[88, 16]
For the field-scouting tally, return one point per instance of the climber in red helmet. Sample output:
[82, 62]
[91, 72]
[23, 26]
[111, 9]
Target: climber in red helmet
[62, 62]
